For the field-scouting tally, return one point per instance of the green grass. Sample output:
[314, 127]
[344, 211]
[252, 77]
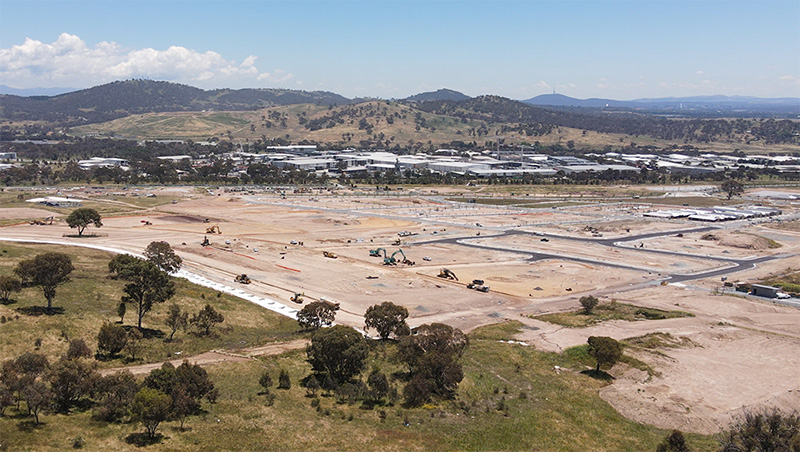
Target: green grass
[90, 299]
[609, 311]
[541, 408]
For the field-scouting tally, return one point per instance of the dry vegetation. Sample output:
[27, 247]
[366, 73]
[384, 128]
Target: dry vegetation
[512, 398]
[609, 311]
[287, 122]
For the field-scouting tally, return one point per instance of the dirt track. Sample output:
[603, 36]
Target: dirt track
[216, 357]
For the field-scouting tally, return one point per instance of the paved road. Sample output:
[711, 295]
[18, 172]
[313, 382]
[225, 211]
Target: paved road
[732, 264]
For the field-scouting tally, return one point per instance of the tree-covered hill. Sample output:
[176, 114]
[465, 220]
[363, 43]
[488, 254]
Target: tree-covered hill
[123, 98]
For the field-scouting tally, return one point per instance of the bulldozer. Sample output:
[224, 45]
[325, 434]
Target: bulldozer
[297, 297]
[447, 274]
[330, 255]
[377, 252]
[213, 230]
[242, 279]
[397, 242]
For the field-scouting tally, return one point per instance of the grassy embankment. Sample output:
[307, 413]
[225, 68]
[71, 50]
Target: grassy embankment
[90, 299]
[512, 398]
[609, 311]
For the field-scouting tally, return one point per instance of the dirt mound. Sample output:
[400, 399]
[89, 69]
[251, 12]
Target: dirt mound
[742, 240]
[748, 242]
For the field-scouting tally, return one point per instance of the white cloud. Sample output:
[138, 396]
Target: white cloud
[69, 61]
[542, 85]
[278, 76]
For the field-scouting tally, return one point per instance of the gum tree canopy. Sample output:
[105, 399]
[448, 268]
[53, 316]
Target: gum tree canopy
[80, 218]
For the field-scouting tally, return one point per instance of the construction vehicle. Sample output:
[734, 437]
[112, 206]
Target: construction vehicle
[213, 229]
[377, 252]
[297, 297]
[447, 274]
[147, 222]
[332, 304]
[397, 242]
[330, 255]
[478, 285]
[242, 279]
[205, 242]
[45, 222]
[391, 260]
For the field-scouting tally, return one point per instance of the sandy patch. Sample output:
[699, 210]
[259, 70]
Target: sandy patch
[14, 213]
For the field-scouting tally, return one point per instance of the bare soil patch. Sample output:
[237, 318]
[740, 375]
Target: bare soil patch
[17, 213]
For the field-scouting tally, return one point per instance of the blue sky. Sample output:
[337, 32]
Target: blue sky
[619, 49]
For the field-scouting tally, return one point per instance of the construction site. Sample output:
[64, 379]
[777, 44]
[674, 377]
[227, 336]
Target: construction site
[470, 264]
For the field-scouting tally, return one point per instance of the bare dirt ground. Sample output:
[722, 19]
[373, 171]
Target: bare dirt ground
[747, 350]
[14, 213]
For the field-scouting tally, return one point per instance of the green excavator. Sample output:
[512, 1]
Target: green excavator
[377, 252]
[391, 260]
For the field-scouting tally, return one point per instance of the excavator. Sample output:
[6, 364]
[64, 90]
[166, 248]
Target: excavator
[213, 230]
[392, 261]
[46, 221]
[297, 297]
[330, 255]
[447, 274]
[377, 252]
[242, 279]
[205, 242]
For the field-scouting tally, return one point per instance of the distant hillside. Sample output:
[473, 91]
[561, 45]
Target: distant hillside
[502, 110]
[441, 94]
[784, 105]
[34, 91]
[123, 98]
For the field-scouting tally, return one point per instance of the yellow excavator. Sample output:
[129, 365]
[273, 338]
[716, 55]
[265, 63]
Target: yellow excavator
[242, 279]
[447, 274]
[330, 255]
[46, 221]
[213, 230]
[297, 297]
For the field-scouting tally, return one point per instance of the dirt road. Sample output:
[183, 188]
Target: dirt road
[216, 357]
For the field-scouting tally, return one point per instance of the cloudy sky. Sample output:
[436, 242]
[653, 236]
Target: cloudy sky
[621, 49]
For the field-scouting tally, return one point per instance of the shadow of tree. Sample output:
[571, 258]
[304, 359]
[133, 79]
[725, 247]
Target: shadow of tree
[40, 310]
[598, 374]
[29, 425]
[147, 333]
[141, 439]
